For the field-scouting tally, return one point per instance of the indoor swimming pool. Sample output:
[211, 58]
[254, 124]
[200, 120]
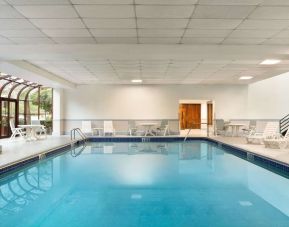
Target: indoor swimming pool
[196, 183]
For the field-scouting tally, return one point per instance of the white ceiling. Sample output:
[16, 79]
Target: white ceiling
[114, 41]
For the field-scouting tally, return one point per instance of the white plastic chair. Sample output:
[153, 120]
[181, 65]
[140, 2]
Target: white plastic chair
[132, 129]
[41, 130]
[108, 128]
[277, 141]
[15, 131]
[163, 129]
[86, 127]
[271, 129]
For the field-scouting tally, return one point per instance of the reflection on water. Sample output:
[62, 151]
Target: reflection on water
[144, 184]
[21, 188]
[128, 148]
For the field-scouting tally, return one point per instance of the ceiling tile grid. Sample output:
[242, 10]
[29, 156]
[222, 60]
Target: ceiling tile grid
[149, 21]
[156, 22]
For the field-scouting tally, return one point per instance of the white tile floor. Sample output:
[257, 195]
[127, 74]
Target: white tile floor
[281, 155]
[16, 150]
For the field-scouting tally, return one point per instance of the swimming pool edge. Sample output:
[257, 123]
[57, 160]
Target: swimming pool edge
[240, 152]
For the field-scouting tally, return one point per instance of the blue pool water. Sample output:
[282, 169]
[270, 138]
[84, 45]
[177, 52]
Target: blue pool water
[144, 184]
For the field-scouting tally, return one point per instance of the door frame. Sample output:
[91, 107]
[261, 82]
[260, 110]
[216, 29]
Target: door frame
[204, 113]
[9, 100]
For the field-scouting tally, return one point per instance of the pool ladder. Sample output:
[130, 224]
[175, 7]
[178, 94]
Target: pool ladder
[74, 153]
[208, 132]
[80, 133]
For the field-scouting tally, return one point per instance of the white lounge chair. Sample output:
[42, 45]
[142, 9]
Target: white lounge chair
[16, 131]
[221, 127]
[41, 131]
[87, 129]
[132, 129]
[277, 141]
[108, 128]
[163, 129]
[271, 129]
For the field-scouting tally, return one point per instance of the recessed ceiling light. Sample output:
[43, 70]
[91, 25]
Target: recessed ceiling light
[270, 62]
[245, 78]
[136, 81]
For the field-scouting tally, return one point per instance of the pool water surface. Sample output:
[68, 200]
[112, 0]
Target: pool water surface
[144, 184]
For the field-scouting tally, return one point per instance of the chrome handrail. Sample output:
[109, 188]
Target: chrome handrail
[78, 130]
[208, 131]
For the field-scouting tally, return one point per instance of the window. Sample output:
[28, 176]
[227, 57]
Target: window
[22, 102]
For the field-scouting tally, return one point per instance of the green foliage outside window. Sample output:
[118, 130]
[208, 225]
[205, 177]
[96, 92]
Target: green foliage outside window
[45, 104]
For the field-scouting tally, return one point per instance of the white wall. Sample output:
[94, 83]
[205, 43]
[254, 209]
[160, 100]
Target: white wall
[150, 101]
[57, 111]
[269, 99]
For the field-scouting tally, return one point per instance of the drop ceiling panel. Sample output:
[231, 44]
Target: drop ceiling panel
[166, 2]
[73, 40]
[102, 2]
[230, 2]
[277, 41]
[114, 32]
[282, 34]
[47, 11]
[38, 2]
[32, 40]
[4, 41]
[267, 12]
[66, 32]
[207, 33]
[264, 24]
[252, 33]
[250, 41]
[7, 11]
[222, 12]
[149, 11]
[105, 11]
[202, 40]
[58, 23]
[110, 23]
[214, 23]
[275, 2]
[160, 40]
[15, 24]
[162, 23]
[116, 40]
[160, 32]
[22, 33]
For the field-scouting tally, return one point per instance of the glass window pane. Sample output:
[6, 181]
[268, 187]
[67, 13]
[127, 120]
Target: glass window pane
[7, 89]
[33, 102]
[2, 82]
[16, 91]
[23, 93]
[46, 105]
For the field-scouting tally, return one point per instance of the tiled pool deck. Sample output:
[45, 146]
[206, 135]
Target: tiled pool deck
[19, 150]
[280, 155]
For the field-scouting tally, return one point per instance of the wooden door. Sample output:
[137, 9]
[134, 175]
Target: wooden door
[210, 113]
[8, 111]
[190, 116]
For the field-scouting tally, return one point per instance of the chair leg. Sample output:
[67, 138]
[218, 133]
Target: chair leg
[12, 136]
